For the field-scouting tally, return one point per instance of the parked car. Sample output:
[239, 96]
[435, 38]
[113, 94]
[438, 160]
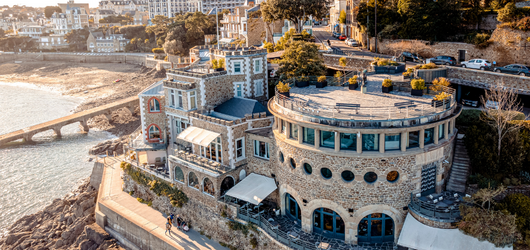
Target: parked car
[441, 60]
[481, 64]
[342, 37]
[351, 42]
[412, 57]
[517, 69]
[336, 34]
[471, 99]
[492, 104]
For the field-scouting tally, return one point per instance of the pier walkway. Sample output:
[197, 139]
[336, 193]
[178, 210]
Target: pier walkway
[27, 133]
[121, 213]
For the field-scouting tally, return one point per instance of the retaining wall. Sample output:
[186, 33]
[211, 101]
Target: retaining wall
[139, 59]
[484, 79]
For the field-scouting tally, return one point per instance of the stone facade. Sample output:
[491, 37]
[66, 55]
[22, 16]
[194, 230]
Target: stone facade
[486, 79]
[352, 63]
[431, 223]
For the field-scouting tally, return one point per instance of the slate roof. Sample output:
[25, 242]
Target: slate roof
[155, 89]
[239, 107]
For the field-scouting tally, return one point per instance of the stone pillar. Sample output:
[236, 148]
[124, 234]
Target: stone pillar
[453, 122]
[109, 117]
[359, 143]
[27, 138]
[337, 141]
[132, 109]
[57, 131]
[317, 138]
[85, 126]
[300, 135]
[436, 133]
[446, 131]
[404, 138]
[381, 143]
[422, 138]
[307, 225]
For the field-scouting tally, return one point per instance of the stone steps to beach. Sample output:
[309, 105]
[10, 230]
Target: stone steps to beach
[460, 169]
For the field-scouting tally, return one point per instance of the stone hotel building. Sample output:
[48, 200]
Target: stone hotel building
[337, 172]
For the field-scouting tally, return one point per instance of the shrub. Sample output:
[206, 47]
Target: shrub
[158, 50]
[523, 24]
[283, 87]
[254, 242]
[406, 74]
[428, 66]
[342, 61]
[131, 193]
[439, 83]
[269, 47]
[303, 78]
[221, 63]
[338, 74]
[150, 203]
[321, 79]
[418, 84]
[442, 96]
[482, 181]
[519, 205]
[353, 80]
[140, 200]
[511, 182]
[215, 64]
[384, 62]
[387, 83]
[469, 117]
[508, 13]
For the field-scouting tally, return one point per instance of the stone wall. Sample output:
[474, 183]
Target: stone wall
[485, 79]
[431, 223]
[358, 63]
[204, 215]
[157, 118]
[75, 57]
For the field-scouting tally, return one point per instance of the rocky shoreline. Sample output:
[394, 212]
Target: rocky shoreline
[67, 223]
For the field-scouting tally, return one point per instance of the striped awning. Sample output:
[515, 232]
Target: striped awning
[198, 136]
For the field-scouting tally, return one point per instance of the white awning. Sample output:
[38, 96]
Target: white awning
[254, 188]
[198, 136]
[226, 40]
[416, 235]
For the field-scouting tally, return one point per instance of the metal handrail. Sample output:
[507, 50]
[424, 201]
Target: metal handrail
[451, 213]
[378, 113]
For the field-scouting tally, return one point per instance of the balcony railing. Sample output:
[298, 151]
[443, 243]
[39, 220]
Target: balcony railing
[437, 210]
[184, 154]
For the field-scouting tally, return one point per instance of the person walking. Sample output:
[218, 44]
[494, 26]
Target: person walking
[171, 216]
[168, 227]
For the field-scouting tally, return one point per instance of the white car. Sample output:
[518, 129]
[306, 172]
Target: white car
[481, 64]
[492, 104]
[351, 42]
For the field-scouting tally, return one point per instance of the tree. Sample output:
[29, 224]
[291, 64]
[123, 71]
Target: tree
[77, 38]
[196, 26]
[342, 17]
[159, 27]
[49, 10]
[175, 41]
[295, 11]
[301, 59]
[2, 33]
[500, 117]
[508, 13]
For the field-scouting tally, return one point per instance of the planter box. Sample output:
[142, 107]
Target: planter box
[286, 94]
[320, 85]
[220, 69]
[389, 69]
[353, 86]
[430, 74]
[387, 89]
[416, 92]
[302, 84]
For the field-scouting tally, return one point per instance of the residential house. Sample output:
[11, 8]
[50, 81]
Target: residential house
[52, 42]
[98, 42]
[70, 4]
[102, 13]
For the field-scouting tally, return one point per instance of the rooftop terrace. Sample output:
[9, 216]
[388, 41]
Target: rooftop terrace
[373, 108]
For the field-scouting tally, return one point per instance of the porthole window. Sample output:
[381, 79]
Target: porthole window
[281, 157]
[326, 173]
[370, 177]
[348, 175]
[392, 176]
[307, 168]
[293, 163]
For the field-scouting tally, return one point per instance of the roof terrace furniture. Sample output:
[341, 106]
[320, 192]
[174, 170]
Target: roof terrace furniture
[349, 106]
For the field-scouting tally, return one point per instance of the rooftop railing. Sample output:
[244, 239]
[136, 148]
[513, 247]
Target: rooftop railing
[437, 210]
[419, 108]
[184, 153]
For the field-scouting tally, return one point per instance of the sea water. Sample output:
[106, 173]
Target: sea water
[32, 175]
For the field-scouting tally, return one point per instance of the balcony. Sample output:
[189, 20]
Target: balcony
[443, 207]
[183, 155]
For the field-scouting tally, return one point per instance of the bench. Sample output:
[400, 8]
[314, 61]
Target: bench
[351, 106]
[404, 105]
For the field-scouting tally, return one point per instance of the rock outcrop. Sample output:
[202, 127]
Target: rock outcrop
[110, 146]
[67, 223]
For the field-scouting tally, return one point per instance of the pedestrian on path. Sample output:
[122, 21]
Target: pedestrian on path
[168, 227]
[170, 218]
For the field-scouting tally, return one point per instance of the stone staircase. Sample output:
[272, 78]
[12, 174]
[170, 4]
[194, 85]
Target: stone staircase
[460, 168]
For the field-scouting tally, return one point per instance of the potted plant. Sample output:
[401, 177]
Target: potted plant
[321, 82]
[439, 99]
[221, 64]
[283, 89]
[303, 81]
[407, 74]
[418, 85]
[387, 86]
[353, 83]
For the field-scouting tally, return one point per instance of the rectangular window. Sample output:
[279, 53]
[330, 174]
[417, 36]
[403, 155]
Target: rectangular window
[327, 139]
[240, 148]
[348, 141]
[414, 139]
[429, 136]
[212, 151]
[179, 99]
[294, 131]
[172, 96]
[237, 67]
[261, 149]
[309, 136]
[193, 100]
[371, 142]
[284, 127]
[392, 141]
[441, 131]
[239, 90]
[257, 66]
[259, 87]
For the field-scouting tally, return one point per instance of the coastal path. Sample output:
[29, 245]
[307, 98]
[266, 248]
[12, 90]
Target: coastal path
[82, 117]
[125, 218]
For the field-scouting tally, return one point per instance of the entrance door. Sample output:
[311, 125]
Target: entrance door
[461, 56]
[328, 223]
[428, 179]
[376, 228]
[293, 210]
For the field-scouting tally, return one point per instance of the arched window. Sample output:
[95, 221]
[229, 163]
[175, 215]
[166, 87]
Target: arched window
[227, 184]
[179, 175]
[328, 223]
[292, 208]
[154, 105]
[242, 175]
[154, 132]
[193, 181]
[208, 187]
[376, 228]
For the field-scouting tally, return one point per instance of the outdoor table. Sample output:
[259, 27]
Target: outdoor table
[275, 224]
[441, 204]
[323, 245]
[294, 235]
